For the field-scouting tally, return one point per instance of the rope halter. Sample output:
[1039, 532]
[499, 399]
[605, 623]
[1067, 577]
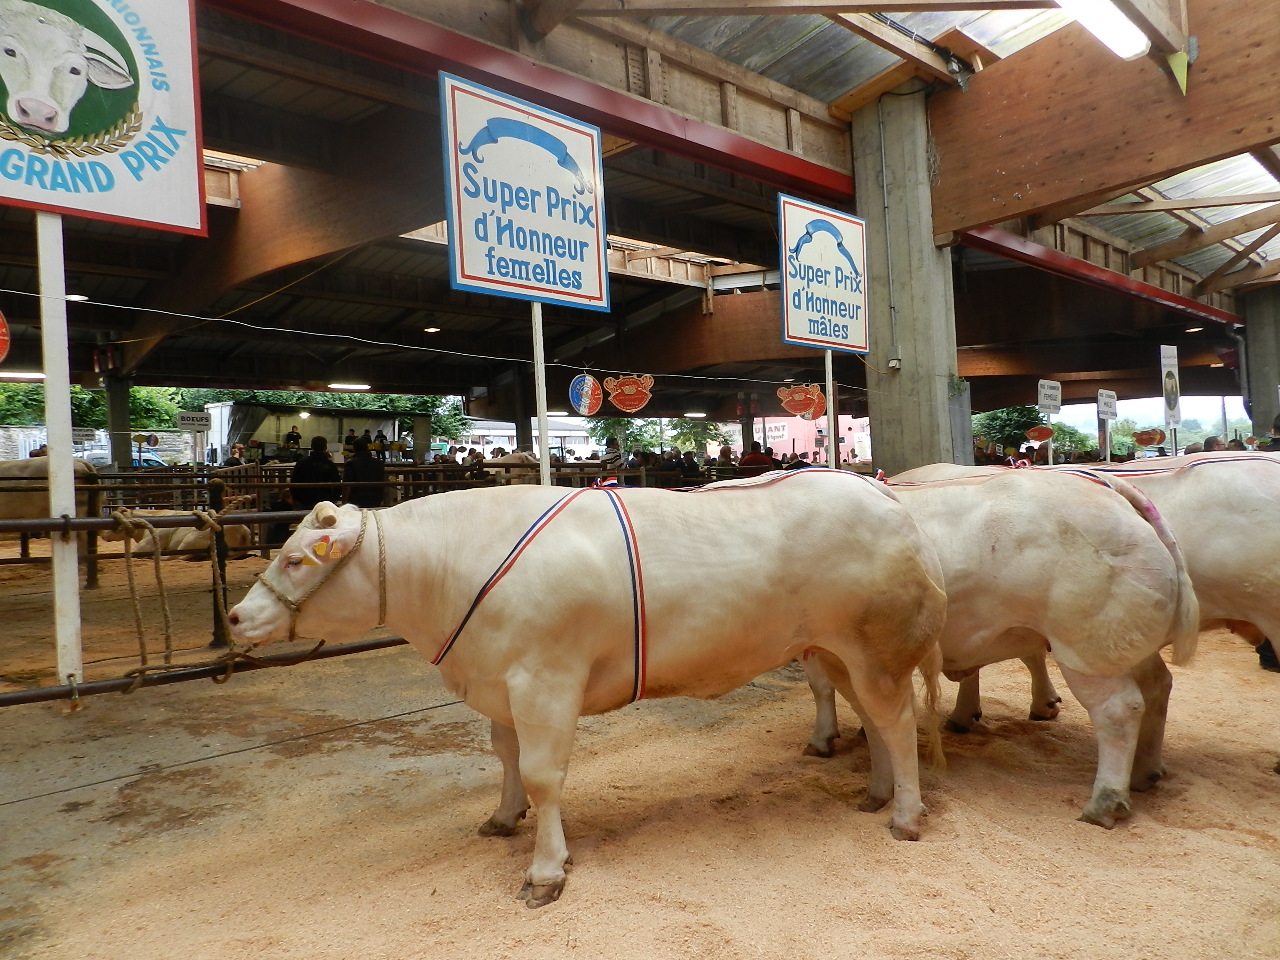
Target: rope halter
[294, 606]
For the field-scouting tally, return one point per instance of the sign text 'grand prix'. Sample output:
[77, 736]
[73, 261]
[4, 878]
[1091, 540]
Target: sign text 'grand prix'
[526, 203]
[824, 295]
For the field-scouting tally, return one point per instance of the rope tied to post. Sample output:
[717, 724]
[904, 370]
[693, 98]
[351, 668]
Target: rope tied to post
[130, 523]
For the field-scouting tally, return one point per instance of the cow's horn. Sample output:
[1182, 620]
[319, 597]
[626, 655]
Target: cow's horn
[326, 514]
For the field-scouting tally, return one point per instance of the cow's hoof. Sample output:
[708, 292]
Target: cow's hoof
[1105, 808]
[870, 803]
[1050, 713]
[1142, 782]
[493, 827]
[1277, 766]
[904, 833]
[952, 726]
[537, 895]
[812, 749]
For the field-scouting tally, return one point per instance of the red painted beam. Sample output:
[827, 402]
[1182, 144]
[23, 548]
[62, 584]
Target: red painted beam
[1032, 254]
[408, 43]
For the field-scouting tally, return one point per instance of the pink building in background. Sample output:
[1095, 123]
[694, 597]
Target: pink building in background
[792, 434]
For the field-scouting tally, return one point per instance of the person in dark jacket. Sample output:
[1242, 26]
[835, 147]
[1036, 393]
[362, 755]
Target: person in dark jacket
[316, 467]
[363, 468]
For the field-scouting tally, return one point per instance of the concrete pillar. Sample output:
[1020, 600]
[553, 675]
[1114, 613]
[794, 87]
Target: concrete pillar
[118, 431]
[912, 389]
[422, 439]
[1262, 356]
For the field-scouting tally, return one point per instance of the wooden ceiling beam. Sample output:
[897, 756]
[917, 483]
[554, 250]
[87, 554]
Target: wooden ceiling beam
[1185, 203]
[922, 57]
[764, 8]
[1261, 271]
[1161, 20]
[1045, 128]
[543, 16]
[1217, 280]
[1194, 238]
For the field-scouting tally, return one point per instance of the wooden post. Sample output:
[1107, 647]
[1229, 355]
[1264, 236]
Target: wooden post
[217, 500]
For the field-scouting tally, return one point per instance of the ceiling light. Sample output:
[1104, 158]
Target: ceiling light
[557, 413]
[77, 297]
[1215, 364]
[1194, 329]
[348, 386]
[304, 414]
[695, 416]
[20, 375]
[430, 329]
[789, 380]
[1110, 26]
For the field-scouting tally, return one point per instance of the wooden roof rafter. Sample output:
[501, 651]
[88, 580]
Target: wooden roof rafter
[760, 8]
[1197, 236]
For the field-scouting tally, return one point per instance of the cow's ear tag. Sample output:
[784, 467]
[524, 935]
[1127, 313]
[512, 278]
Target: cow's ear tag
[326, 549]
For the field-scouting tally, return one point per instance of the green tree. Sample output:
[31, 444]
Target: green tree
[695, 434]
[1067, 439]
[152, 408]
[1007, 427]
[631, 431]
[21, 404]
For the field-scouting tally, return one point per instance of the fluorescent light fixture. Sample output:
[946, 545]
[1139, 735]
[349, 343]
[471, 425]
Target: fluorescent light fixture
[76, 297]
[1194, 329]
[20, 375]
[695, 416]
[788, 379]
[430, 329]
[304, 414]
[1110, 26]
[348, 386]
[1215, 365]
[557, 413]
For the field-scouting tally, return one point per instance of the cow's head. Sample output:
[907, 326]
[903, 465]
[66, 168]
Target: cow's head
[47, 61]
[336, 598]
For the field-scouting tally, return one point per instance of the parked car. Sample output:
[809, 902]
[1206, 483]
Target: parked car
[100, 458]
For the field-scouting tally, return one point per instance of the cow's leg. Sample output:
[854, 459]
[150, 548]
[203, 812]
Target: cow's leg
[968, 708]
[1156, 683]
[1044, 697]
[515, 802]
[826, 728]
[1116, 707]
[546, 721]
[886, 712]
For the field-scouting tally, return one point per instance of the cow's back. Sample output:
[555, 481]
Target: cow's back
[17, 503]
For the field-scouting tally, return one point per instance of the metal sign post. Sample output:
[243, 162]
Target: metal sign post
[833, 432]
[57, 415]
[1106, 413]
[525, 210]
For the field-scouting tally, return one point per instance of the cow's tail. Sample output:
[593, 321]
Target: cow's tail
[930, 670]
[1185, 631]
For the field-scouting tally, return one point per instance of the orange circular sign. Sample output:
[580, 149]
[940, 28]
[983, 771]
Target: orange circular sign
[1040, 433]
[1148, 438]
[4, 338]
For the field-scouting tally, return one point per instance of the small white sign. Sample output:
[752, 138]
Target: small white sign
[195, 421]
[525, 199]
[1170, 386]
[99, 115]
[1106, 404]
[824, 277]
[1049, 396]
[83, 434]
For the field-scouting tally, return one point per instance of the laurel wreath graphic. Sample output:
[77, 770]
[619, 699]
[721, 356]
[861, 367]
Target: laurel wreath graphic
[104, 141]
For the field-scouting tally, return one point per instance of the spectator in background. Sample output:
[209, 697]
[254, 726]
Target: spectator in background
[1213, 443]
[755, 462]
[236, 458]
[725, 459]
[293, 439]
[1193, 448]
[316, 467]
[1272, 442]
[359, 469]
[1235, 443]
[382, 441]
[612, 459]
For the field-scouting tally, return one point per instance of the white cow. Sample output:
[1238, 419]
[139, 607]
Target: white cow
[239, 538]
[1222, 507]
[556, 637]
[1034, 561]
[47, 61]
[17, 503]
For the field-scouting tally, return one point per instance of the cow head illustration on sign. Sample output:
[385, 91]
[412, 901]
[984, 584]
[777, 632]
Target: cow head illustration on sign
[70, 78]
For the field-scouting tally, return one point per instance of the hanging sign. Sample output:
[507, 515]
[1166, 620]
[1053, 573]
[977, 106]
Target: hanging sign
[1170, 386]
[629, 393]
[585, 395]
[1106, 405]
[805, 401]
[195, 421]
[1040, 434]
[824, 296]
[525, 199]
[4, 338]
[99, 117]
[1148, 438]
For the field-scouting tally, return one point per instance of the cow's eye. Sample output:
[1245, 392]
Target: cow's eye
[75, 71]
[10, 52]
[293, 562]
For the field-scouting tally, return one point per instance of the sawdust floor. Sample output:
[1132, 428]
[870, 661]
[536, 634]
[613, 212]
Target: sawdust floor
[328, 812]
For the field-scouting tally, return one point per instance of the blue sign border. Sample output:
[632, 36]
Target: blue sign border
[447, 147]
[783, 199]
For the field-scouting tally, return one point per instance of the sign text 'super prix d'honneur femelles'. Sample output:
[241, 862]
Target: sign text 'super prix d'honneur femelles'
[99, 115]
[824, 287]
[526, 203]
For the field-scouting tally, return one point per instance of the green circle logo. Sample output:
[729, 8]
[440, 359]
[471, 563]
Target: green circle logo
[69, 77]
